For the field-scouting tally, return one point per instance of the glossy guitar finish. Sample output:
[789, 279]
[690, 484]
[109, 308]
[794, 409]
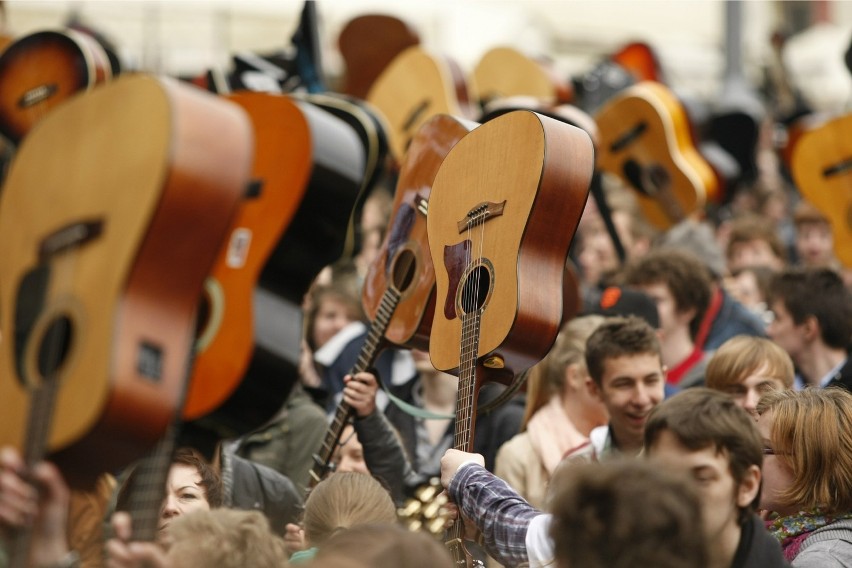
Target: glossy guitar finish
[399, 288]
[104, 256]
[646, 141]
[41, 70]
[282, 166]
[314, 238]
[406, 244]
[504, 208]
[822, 169]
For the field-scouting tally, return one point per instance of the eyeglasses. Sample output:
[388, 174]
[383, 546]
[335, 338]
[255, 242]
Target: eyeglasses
[772, 452]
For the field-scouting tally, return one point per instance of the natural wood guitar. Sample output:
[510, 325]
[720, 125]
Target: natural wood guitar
[41, 70]
[399, 288]
[415, 86]
[105, 252]
[504, 208]
[646, 141]
[507, 72]
[822, 169]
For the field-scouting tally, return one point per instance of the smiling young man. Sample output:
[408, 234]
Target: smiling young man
[698, 432]
[623, 360]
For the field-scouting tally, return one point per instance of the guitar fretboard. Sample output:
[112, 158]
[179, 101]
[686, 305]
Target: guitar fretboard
[366, 357]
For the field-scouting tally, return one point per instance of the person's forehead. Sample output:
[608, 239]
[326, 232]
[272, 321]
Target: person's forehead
[634, 365]
[668, 448]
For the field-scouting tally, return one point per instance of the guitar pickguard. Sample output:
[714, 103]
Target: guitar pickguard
[456, 258]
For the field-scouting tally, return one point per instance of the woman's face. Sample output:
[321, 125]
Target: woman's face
[184, 494]
[777, 476]
[332, 316]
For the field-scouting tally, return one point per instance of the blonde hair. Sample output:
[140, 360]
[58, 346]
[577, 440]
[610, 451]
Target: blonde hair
[344, 500]
[743, 355]
[548, 377]
[226, 538]
[812, 436]
[383, 544]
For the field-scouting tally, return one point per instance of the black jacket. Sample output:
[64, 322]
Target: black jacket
[758, 548]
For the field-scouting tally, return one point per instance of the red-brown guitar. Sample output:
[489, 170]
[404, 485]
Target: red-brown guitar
[504, 208]
[399, 288]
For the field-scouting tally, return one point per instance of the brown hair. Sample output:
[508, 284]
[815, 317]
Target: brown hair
[385, 544]
[210, 480]
[548, 377]
[806, 213]
[626, 513]
[343, 500]
[703, 418]
[687, 278]
[812, 436]
[344, 291]
[619, 337]
[743, 355]
[226, 538]
[753, 227]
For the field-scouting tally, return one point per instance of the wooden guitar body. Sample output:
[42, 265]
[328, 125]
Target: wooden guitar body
[40, 70]
[368, 43]
[822, 169]
[314, 238]
[506, 72]
[404, 261]
[539, 170]
[282, 166]
[105, 253]
[645, 140]
[415, 86]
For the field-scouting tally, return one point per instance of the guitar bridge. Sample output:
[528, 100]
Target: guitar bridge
[480, 214]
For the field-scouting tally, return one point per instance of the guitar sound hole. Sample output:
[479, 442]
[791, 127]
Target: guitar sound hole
[648, 180]
[202, 318]
[403, 270]
[475, 290]
[55, 346]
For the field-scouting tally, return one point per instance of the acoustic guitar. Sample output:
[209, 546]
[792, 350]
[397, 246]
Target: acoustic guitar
[225, 345]
[505, 205]
[313, 239]
[399, 288]
[646, 141]
[822, 170]
[368, 43]
[507, 72]
[104, 258]
[414, 87]
[40, 70]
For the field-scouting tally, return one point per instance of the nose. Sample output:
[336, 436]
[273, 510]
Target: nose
[641, 396]
[750, 400]
[170, 508]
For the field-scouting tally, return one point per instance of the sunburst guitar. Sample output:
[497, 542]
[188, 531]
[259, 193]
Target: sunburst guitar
[645, 140]
[110, 219]
[41, 70]
[822, 169]
[504, 208]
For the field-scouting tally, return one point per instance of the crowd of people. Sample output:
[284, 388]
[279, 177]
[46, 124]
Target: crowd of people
[695, 411]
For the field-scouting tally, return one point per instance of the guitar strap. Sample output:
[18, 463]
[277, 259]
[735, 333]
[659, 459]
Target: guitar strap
[596, 189]
[410, 409]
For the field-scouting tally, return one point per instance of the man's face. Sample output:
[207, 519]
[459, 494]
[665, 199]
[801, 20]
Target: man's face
[753, 253]
[747, 392]
[711, 471]
[815, 244]
[786, 332]
[631, 386]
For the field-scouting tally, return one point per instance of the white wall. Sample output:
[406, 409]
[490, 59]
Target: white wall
[187, 36]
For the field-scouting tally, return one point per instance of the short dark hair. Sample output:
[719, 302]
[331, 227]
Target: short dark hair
[626, 514]
[702, 418]
[688, 279]
[817, 292]
[619, 337]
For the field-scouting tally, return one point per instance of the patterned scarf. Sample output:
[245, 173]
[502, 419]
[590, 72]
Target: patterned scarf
[792, 530]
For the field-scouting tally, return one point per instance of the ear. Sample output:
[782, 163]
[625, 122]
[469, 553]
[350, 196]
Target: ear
[811, 328]
[594, 390]
[573, 377]
[749, 486]
[686, 316]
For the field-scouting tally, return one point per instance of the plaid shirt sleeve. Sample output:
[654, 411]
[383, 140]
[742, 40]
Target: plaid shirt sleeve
[500, 514]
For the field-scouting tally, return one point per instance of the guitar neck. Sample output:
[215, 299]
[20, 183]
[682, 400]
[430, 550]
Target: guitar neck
[469, 380]
[366, 357]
